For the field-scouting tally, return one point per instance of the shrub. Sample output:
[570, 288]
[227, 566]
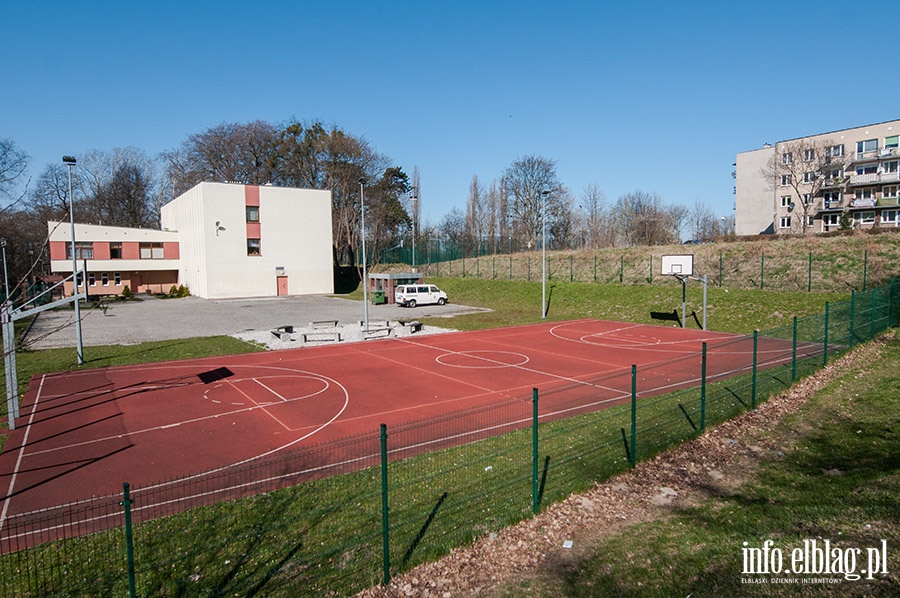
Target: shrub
[126, 292]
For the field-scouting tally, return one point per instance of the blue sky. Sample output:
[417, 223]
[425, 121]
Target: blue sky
[656, 96]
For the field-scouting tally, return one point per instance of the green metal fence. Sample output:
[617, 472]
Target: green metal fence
[854, 269]
[335, 518]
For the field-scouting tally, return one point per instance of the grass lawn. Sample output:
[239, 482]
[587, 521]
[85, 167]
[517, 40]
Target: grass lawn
[830, 471]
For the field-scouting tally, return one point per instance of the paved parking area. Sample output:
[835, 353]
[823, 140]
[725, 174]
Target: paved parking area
[153, 319]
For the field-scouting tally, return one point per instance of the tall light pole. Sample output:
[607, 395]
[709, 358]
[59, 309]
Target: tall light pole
[69, 161]
[544, 195]
[414, 200]
[5, 277]
[362, 233]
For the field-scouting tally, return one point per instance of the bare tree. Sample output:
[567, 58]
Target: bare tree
[802, 169]
[644, 219]
[13, 164]
[524, 182]
[593, 203]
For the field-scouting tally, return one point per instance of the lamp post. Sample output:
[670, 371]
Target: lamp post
[69, 161]
[414, 200]
[5, 277]
[544, 195]
[362, 233]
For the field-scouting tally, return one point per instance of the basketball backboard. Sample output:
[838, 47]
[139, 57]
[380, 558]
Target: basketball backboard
[678, 265]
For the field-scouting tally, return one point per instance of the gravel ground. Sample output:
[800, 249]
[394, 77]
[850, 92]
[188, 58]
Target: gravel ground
[154, 319]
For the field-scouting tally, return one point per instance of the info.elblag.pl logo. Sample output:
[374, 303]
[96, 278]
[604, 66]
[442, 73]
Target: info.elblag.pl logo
[815, 558]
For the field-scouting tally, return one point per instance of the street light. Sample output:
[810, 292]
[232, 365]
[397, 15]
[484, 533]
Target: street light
[362, 233]
[5, 277]
[413, 199]
[544, 195]
[69, 161]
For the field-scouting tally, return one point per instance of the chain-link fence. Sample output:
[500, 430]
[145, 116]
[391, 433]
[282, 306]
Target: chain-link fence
[338, 517]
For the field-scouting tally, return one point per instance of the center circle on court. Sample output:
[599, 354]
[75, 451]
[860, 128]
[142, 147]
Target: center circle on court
[482, 359]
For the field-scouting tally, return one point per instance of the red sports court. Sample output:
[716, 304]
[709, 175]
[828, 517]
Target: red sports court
[81, 434]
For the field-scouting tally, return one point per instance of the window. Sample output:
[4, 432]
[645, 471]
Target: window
[891, 166]
[892, 142]
[831, 199]
[864, 217]
[784, 222]
[807, 199]
[785, 201]
[831, 220]
[252, 213]
[83, 251]
[836, 173]
[889, 216]
[809, 155]
[115, 251]
[866, 193]
[867, 169]
[151, 251]
[835, 151]
[889, 191]
[787, 158]
[809, 177]
[253, 247]
[785, 180]
[869, 145]
[117, 279]
[809, 220]
[104, 279]
[92, 279]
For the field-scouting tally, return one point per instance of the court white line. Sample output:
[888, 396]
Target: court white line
[12, 480]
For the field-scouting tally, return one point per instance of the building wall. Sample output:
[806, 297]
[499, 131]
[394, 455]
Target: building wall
[141, 275]
[294, 233]
[868, 199]
[753, 199]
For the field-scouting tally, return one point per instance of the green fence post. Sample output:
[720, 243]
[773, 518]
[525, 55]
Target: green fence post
[493, 267]
[570, 269]
[477, 267]
[872, 317]
[794, 352]
[825, 345]
[852, 316]
[129, 538]
[633, 415]
[510, 266]
[865, 267]
[651, 269]
[622, 269]
[703, 391]
[464, 266]
[890, 306]
[595, 268]
[762, 271]
[535, 500]
[720, 270]
[753, 374]
[529, 268]
[809, 274]
[385, 527]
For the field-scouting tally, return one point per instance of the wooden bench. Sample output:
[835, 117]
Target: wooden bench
[330, 337]
[284, 333]
[381, 332]
[414, 326]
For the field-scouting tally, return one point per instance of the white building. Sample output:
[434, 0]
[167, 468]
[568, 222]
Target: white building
[221, 240]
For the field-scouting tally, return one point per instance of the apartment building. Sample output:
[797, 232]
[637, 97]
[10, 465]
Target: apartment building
[221, 240]
[843, 179]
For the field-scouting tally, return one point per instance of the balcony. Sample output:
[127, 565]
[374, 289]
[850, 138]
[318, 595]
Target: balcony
[889, 201]
[878, 154]
[873, 178]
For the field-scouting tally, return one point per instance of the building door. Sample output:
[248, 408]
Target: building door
[282, 285]
[135, 283]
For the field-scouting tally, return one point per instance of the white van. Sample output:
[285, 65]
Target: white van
[411, 295]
